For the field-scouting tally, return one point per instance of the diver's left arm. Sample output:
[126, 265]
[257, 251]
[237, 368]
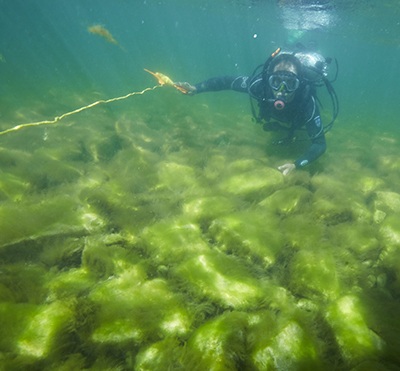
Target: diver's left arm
[316, 133]
[237, 83]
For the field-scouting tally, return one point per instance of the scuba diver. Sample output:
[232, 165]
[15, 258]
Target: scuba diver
[284, 88]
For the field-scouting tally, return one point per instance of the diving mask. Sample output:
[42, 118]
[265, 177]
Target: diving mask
[284, 80]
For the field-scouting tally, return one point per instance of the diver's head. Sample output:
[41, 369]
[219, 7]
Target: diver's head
[284, 74]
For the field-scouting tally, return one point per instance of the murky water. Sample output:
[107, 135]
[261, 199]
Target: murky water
[154, 232]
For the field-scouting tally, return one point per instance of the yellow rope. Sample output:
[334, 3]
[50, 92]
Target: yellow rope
[161, 79]
[58, 118]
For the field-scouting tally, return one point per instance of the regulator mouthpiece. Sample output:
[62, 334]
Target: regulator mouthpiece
[279, 104]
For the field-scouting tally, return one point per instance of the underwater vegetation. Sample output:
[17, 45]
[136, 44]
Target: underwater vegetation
[152, 241]
[98, 29]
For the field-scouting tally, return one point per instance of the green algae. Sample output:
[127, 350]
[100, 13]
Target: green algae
[159, 356]
[219, 344]
[38, 217]
[289, 347]
[133, 310]
[247, 235]
[47, 331]
[356, 340]
[259, 182]
[222, 280]
[154, 255]
[313, 274]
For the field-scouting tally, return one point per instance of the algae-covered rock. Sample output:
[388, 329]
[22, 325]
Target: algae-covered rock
[113, 205]
[313, 274]
[335, 203]
[388, 162]
[219, 344]
[57, 215]
[74, 361]
[332, 211]
[221, 279]
[6, 293]
[282, 345]
[13, 187]
[207, 208]
[388, 202]
[132, 309]
[173, 241]
[390, 256]
[357, 342]
[361, 212]
[358, 238]
[106, 255]
[50, 171]
[11, 158]
[177, 177]
[373, 365]
[378, 216]
[303, 232]
[258, 182]
[216, 165]
[163, 355]
[252, 235]
[286, 201]
[14, 317]
[326, 184]
[47, 331]
[117, 203]
[368, 184]
[70, 284]
[381, 314]
[390, 231]
[62, 252]
[23, 283]
[244, 164]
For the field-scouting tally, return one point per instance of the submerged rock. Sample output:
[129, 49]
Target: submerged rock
[287, 348]
[13, 187]
[219, 344]
[177, 177]
[357, 342]
[288, 200]
[220, 279]
[313, 274]
[253, 183]
[37, 218]
[388, 202]
[173, 241]
[163, 355]
[137, 310]
[47, 331]
[254, 235]
[368, 184]
[208, 208]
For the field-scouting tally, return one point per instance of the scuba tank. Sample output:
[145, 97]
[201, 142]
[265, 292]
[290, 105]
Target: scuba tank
[314, 66]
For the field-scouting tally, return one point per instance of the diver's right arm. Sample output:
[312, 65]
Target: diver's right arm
[216, 84]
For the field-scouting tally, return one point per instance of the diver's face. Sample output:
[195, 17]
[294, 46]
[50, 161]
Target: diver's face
[284, 82]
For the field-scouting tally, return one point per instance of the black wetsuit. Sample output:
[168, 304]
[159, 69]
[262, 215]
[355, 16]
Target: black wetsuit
[302, 112]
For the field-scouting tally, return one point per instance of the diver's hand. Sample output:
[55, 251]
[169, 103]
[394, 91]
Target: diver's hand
[185, 88]
[286, 168]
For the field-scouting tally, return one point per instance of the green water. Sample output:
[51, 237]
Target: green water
[155, 233]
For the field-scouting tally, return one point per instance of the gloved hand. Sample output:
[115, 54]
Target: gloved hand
[185, 88]
[286, 168]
